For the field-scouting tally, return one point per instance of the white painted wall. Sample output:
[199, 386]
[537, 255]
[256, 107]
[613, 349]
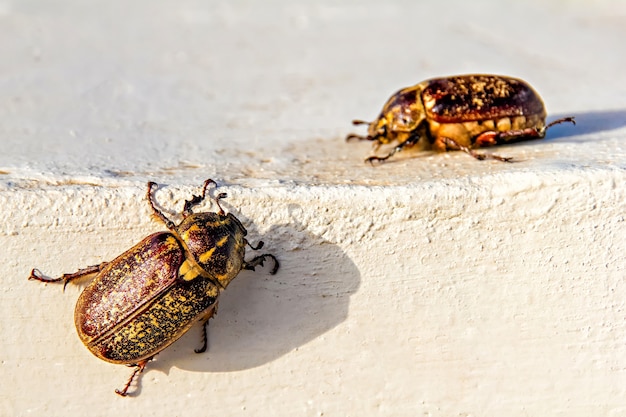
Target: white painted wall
[435, 285]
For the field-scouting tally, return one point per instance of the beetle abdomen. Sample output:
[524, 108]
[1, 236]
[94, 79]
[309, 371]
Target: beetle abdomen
[479, 97]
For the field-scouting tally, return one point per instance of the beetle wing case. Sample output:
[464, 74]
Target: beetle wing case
[116, 293]
[117, 296]
[479, 97]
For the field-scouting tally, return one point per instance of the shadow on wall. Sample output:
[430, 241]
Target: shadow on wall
[262, 317]
[587, 123]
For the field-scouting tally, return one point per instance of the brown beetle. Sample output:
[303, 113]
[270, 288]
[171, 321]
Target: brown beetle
[462, 112]
[145, 299]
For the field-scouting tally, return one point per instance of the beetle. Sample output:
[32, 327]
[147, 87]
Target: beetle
[461, 112]
[149, 296]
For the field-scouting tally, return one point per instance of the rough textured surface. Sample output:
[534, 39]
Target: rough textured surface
[433, 285]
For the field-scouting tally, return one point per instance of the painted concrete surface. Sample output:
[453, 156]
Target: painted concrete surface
[432, 285]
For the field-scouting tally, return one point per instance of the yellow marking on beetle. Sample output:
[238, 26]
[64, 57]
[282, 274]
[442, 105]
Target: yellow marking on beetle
[194, 228]
[222, 241]
[188, 271]
[171, 242]
[206, 255]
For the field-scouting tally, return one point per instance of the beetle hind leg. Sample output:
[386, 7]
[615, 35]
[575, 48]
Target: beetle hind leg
[258, 260]
[139, 367]
[67, 278]
[571, 120]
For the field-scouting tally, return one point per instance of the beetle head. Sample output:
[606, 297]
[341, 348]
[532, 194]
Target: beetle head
[400, 116]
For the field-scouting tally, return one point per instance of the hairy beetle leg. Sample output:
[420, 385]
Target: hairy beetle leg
[66, 278]
[139, 367]
[258, 260]
[205, 329]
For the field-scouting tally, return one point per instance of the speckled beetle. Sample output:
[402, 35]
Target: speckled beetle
[149, 296]
[461, 112]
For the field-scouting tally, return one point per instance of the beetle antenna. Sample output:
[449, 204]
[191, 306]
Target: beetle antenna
[149, 196]
[357, 122]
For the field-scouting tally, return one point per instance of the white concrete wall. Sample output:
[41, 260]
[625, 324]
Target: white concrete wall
[435, 285]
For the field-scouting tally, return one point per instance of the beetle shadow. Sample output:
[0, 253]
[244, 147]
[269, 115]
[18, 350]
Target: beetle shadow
[586, 123]
[262, 317]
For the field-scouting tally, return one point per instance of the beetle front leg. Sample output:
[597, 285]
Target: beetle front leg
[412, 140]
[139, 367]
[258, 260]
[66, 278]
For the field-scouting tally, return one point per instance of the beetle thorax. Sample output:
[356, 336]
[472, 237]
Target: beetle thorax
[401, 116]
[216, 243]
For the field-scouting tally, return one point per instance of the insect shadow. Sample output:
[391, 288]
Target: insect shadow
[587, 123]
[262, 317]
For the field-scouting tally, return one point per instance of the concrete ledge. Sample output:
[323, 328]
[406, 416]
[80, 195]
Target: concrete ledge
[460, 288]
[432, 285]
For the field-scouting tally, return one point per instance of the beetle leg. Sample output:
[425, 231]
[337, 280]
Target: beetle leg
[571, 120]
[66, 278]
[139, 367]
[357, 137]
[451, 144]
[149, 196]
[491, 138]
[412, 140]
[197, 199]
[258, 260]
[205, 329]
[257, 247]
